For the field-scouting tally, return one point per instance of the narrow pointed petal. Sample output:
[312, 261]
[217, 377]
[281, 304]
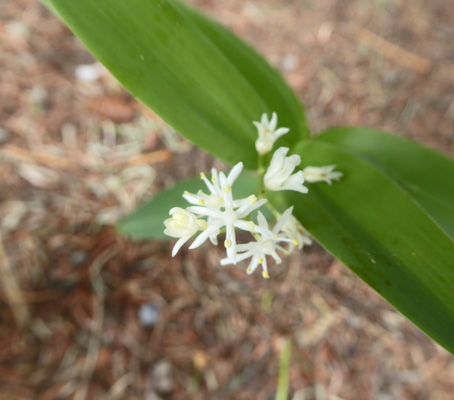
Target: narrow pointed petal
[263, 223]
[246, 209]
[202, 237]
[236, 170]
[295, 182]
[203, 211]
[273, 122]
[252, 265]
[283, 220]
[230, 242]
[264, 120]
[180, 242]
[280, 132]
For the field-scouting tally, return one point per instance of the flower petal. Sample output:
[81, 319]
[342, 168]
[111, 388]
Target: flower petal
[204, 211]
[236, 170]
[202, 237]
[284, 217]
[178, 244]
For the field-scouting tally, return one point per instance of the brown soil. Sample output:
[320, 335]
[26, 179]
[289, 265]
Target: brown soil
[75, 156]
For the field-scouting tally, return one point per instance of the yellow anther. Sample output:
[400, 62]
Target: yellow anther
[251, 225]
[221, 199]
[249, 270]
[213, 179]
[260, 260]
[186, 192]
[226, 188]
[275, 236]
[201, 202]
[202, 175]
[266, 275]
[252, 199]
[286, 252]
[228, 244]
[295, 242]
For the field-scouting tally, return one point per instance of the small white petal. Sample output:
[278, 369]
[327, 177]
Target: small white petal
[322, 174]
[202, 237]
[280, 132]
[245, 225]
[273, 122]
[210, 186]
[293, 229]
[253, 265]
[295, 182]
[231, 239]
[178, 245]
[234, 173]
[176, 209]
[263, 223]
[282, 220]
[246, 209]
[267, 133]
[203, 211]
[279, 173]
[240, 257]
[264, 120]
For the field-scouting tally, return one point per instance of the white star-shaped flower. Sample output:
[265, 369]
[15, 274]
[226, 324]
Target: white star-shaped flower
[322, 174]
[222, 211]
[215, 199]
[279, 174]
[268, 133]
[266, 244]
[183, 225]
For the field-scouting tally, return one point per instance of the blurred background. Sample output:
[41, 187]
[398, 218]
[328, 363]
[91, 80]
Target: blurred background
[88, 314]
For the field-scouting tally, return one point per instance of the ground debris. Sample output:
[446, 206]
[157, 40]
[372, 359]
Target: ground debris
[89, 314]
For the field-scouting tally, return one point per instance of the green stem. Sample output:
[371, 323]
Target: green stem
[284, 366]
[261, 171]
[272, 209]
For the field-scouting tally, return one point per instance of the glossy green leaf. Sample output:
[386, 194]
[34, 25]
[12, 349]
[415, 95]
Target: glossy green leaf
[147, 221]
[376, 228]
[428, 176]
[278, 96]
[161, 52]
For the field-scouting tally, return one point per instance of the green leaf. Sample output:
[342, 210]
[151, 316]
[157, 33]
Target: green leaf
[376, 228]
[276, 93]
[160, 51]
[428, 176]
[147, 221]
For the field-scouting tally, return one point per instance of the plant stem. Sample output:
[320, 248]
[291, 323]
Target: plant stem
[261, 171]
[284, 365]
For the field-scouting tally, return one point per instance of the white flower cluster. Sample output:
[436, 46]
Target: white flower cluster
[217, 211]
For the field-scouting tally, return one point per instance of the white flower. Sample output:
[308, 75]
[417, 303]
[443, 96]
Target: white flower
[268, 133]
[279, 174]
[183, 225]
[295, 231]
[215, 199]
[266, 244]
[319, 174]
[222, 211]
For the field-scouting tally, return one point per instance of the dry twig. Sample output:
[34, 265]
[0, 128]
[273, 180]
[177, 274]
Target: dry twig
[393, 52]
[12, 289]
